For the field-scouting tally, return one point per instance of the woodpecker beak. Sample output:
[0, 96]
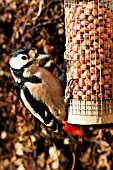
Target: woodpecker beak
[42, 57]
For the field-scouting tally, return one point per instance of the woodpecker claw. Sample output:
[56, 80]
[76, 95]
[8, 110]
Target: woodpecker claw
[67, 91]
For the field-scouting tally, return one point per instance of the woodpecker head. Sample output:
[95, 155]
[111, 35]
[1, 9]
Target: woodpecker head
[22, 58]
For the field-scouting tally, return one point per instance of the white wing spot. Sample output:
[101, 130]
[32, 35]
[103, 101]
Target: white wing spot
[59, 112]
[56, 131]
[50, 123]
[46, 114]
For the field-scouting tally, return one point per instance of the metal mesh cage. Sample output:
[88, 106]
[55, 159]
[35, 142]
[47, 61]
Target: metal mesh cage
[89, 52]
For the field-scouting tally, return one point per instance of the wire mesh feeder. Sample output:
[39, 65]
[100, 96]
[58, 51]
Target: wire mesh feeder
[89, 52]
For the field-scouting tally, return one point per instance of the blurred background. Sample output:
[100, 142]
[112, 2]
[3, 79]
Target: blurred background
[25, 144]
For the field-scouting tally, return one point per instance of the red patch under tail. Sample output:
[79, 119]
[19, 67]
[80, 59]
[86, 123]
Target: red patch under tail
[73, 130]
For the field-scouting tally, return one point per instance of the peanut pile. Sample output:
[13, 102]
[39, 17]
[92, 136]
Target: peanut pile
[89, 34]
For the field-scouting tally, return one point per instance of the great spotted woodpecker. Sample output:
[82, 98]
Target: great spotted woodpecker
[40, 91]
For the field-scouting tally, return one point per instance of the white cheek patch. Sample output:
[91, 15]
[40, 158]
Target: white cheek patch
[16, 63]
[28, 106]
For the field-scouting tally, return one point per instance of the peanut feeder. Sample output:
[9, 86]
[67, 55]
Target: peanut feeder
[89, 52]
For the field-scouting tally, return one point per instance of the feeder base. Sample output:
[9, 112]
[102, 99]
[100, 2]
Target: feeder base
[90, 112]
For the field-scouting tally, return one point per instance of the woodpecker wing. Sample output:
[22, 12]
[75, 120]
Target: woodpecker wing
[49, 91]
[39, 110]
[41, 93]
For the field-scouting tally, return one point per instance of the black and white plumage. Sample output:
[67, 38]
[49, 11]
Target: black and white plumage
[39, 90]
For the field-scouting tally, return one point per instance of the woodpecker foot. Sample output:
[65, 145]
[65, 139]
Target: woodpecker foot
[68, 91]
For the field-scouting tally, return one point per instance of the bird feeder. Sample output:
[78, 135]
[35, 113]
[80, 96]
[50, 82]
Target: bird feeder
[89, 54]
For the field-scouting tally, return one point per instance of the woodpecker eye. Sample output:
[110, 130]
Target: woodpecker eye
[24, 57]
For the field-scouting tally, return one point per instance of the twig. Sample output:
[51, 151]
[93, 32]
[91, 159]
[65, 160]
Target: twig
[39, 11]
[72, 148]
[73, 165]
[24, 25]
[52, 21]
[5, 6]
[6, 156]
[47, 5]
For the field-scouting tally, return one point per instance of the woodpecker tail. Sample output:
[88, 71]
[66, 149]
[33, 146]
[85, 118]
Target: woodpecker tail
[73, 130]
